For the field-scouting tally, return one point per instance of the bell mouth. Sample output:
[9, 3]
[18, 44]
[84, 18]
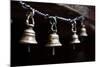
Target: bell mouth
[83, 34]
[27, 42]
[75, 41]
[53, 45]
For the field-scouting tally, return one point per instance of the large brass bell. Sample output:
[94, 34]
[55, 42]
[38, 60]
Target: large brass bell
[53, 40]
[29, 34]
[75, 39]
[83, 31]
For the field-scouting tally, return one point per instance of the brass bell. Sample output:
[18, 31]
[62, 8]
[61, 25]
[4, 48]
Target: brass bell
[29, 33]
[83, 31]
[29, 36]
[75, 39]
[53, 40]
[74, 36]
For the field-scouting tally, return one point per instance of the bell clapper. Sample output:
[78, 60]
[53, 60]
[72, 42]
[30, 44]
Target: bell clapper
[74, 47]
[53, 51]
[29, 48]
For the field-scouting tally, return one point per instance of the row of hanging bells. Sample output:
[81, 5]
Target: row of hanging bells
[53, 39]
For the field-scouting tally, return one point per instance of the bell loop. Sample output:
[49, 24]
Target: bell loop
[30, 16]
[53, 23]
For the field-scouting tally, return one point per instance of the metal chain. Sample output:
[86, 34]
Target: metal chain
[24, 5]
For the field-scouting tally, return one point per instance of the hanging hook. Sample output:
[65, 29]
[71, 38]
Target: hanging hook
[53, 23]
[74, 30]
[31, 14]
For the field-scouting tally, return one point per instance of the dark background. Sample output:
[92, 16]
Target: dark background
[39, 54]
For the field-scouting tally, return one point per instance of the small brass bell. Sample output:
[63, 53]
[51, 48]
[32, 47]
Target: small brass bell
[83, 31]
[53, 40]
[29, 36]
[74, 36]
[75, 39]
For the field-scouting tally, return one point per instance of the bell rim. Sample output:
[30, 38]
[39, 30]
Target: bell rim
[55, 45]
